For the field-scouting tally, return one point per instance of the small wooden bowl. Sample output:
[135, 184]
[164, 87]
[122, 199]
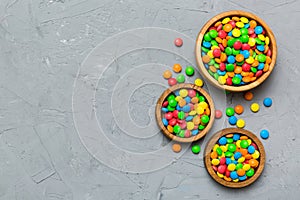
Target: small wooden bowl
[210, 23]
[207, 160]
[158, 112]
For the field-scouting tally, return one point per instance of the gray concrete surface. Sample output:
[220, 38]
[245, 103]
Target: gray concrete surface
[45, 148]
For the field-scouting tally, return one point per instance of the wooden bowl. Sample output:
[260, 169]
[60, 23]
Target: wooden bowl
[158, 112]
[207, 160]
[204, 71]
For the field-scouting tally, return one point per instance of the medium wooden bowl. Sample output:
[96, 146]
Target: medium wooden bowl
[214, 139]
[158, 112]
[204, 71]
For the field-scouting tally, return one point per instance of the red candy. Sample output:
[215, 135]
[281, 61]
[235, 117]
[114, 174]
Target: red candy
[172, 81]
[237, 45]
[246, 67]
[169, 115]
[222, 67]
[246, 47]
[222, 34]
[192, 93]
[165, 104]
[216, 53]
[175, 113]
[222, 169]
[232, 23]
[259, 73]
[222, 161]
[172, 122]
[229, 81]
[178, 42]
[250, 31]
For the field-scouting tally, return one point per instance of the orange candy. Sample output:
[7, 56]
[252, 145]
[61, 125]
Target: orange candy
[248, 96]
[206, 59]
[214, 155]
[239, 57]
[253, 163]
[241, 172]
[238, 70]
[239, 109]
[227, 28]
[167, 74]
[177, 68]
[252, 24]
[244, 151]
[176, 148]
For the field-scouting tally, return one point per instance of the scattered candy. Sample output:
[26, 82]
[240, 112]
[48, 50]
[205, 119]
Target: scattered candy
[229, 111]
[172, 81]
[167, 74]
[254, 107]
[196, 149]
[268, 102]
[264, 134]
[232, 120]
[218, 114]
[180, 78]
[178, 42]
[189, 71]
[198, 82]
[236, 51]
[185, 113]
[177, 68]
[239, 109]
[248, 96]
[176, 148]
[235, 157]
[240, 123]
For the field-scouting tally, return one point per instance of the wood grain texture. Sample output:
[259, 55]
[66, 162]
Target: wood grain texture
[207, 160]
[158, 113]
[204, 71]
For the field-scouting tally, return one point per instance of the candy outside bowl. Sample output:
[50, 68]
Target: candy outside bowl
[204, 70]
[159, 113]
[208, 160]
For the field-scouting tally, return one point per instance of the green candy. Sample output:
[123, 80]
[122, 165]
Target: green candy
[181, 115]
[207, 37]
[230, 67]
[229, 111]
[228, 51]
[244, 31]
[214, 43]
[257, 41]
[201, 98]
[201, 127]
[253, 69]
[230, 42]
[205, 119]
[244, 38]
[254, 54]
[211, 62]
[240, 63]
[189, 71]
[181, 134]
[180, 78]
[231, 148]
[235, 52]
[176, 129]
[250, 172]
[244, 144]
[239, 166]
[210, 72]
[217, 65]
[228, 154]
[196, 149]
[171, 97]
[216, 76]
[261, 58]
[229, 140]
[213, 33]
[173, 102]
[236, 80]
[219, 151]
[170, 108]
[204, 49]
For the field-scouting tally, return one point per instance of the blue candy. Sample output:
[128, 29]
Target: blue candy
[187, 99]
[242, 178]
[222, 140]
[258, 30]
[189, 118]
[246, 54]
[260, 48]
[178, 108]
[230, 33]
[195, 132]
[232, 120]
[165, 121]
[268, 102]
[264, 134]
[247, 25]
[237, 155]
[164, 110]
[220, 73]
[186, 108]
[231, 59]
[251, 149]
[236, 137]
[260, 66]
[233, 175]
[177, 93]
[235, 162]
[228, 161]
[206, 44]
[206, 66]
[203, 53]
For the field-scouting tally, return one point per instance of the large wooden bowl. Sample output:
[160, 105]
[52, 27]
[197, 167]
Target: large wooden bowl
[158, 112]
[204, 71]
[207, 160]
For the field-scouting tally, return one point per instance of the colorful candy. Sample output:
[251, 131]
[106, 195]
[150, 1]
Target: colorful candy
[236, 51]
[196, 148]
[268, 102]
[218, 114]
[248, 96]
[176, 148]
[177, 68]
[229, 111]
[180, 78]
[178, 42]
[189, 71]
[235, 157]
[172, 81]
[198, 82]
[254, 107]
[167, 74]
[240, 123]
[185, 113]
[264, 134]
[239, 109]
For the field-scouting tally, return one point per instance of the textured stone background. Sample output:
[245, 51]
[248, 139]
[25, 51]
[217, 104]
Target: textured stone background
[43, 44]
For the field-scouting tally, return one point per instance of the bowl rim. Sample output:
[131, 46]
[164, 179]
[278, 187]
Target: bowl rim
[203, 70]
[158, 112]
[214, 139]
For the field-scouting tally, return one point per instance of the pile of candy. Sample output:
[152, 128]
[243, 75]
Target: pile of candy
[235, 157]
[185, 113]
[236, 51]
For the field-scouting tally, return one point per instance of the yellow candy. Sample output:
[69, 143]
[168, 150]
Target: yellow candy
[240, 123]
[246, 167]
[215, 47]
[220, 175]
[215, 147]
[210, 54]
[261, 37]
[251, 42]
[267, 40]
[241, 159]
[222, 80]
[236, 32]
[224, 148]
[240, 24]
[199, 82]
[254, 107]
[231, 167]
[215, 162]
[203, 104]
[244, 20]
[190, 126]
[193, 112]
[235, 180]
[178, 98]
[183, 93]
[249, 141]
[255, 155]
[200, 110]
[250, 60]
[238, 143]
[226, 20]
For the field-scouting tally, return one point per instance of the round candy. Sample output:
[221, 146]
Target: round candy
[167, 74]
[232, 120]
[199, 82]
[204, 119]
[240, 123]
[267, 102]
[189, 71]
[254, 107]
[264, 134]
[239, 109]
[248, 96]
[177, 68]
[176, 148]
[244, 144]
[196, 149]
[180, 78]
[172, 81]
[218, 114]
[178, 42]
[229, 111]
